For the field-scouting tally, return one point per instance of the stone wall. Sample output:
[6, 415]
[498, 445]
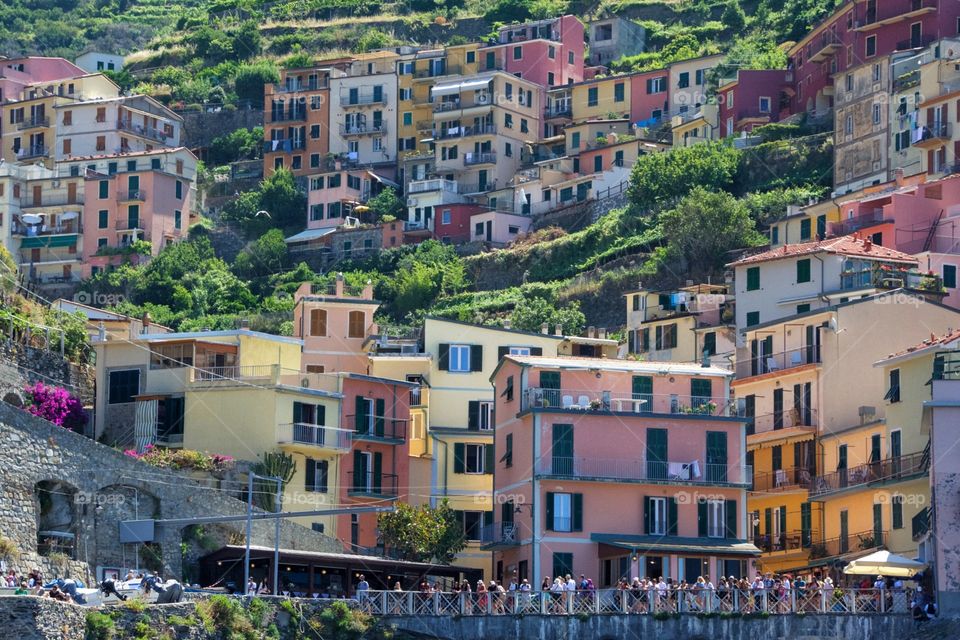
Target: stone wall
[201, 127]
[104, 488]
[21, 365]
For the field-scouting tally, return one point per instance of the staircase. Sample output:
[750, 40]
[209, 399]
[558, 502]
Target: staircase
[932, 233]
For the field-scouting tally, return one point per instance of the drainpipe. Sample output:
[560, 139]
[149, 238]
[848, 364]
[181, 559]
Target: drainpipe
[534, 506]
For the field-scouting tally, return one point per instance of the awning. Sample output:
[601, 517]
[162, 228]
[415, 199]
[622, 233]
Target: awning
[677, 544]
[310, 234]
[447, 89]
[884, 563]
[474, 84]
[49, 242]
[453, 88]
[786, 436]
[382, 180]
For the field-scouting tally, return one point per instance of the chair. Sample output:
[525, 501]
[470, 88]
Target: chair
[796, 359]
[772, 364]
[583, 402]
[567, 402]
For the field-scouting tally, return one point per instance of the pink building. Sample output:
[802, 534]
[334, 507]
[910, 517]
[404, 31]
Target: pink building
[377, 471]
[549, 52]
[617, 469]
[149, 197]
[755, 98]
[333, 326]
[649, 95]
[17, 73]
[337, 194]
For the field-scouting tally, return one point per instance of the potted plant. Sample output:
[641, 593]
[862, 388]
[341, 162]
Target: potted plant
[595, 404]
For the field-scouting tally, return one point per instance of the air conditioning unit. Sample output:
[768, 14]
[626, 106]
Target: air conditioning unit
[412, 202]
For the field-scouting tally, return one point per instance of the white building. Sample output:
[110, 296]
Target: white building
[94, 61]
[363, 110]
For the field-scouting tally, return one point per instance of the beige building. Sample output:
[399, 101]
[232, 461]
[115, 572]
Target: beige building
[363, 109]
[861, 125]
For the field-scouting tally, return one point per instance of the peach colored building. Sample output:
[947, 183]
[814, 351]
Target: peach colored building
[334, 328]
[616, 469]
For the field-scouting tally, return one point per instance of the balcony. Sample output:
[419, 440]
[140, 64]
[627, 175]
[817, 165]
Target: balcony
[606, 401]
[297, 87]
[301, 436]
[915, 43]
[433, 72]
[783, 480]
[145, 132]
[288, 116]
[283, 146]
[134, 195]
[425, 126]
[52, 201]
[362, 99]
[830, 548]
[465, 132]
[500, 534]
[482, 100]
[786, 419]
[234, 372]
[848, 226]
[934, 135]
[33, 151]
[373, 428]
[40, 231]
[920, 524]
[415, 226]
[887, 470]
[824, 47]
[638, 470]
[484, 157]
[786, 541]
[773, 362]
[434, 184]
[33, 123]
[128, 225]
[890, 277]
[895, 12]
[418, 396]
[368, 484]
[906, 80]
[375, 129]
[564, 111]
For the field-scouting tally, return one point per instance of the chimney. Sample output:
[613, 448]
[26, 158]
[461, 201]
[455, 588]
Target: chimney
[558, 331]
[591, 332]
[602, 334]
[545, 329]
[368, 290]
[145, 321]
[244, 323]
[898, 176]
[506, 323]
[867, 244]
[338, 292]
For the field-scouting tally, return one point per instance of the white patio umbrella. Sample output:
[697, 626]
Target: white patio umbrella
[884, 563]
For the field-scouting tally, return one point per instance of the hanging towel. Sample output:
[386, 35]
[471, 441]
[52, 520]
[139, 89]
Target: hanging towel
[695, 468]
[678, 470]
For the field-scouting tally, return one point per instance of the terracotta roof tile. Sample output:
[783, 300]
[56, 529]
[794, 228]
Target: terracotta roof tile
[851, 245]
[932, 341]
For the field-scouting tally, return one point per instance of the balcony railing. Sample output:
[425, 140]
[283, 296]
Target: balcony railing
[484, 157]
[783, 479]
[558, 111]
[314, 435]
[461, 103]
[39, 231]
[363, 99]
[378, 428]
[934, 133]
[416, 396]
[433, 184]
[792, 417]
[33, 151]
[822, 47]
[147, 132]
[433, 72]
[283, 146]
[915, 43]
[33, 123]
[848, 226]
[234, 372]
[833, 547]
[906, 80]
[368, 483]
[638, 470]
[464, 132]
[920, 524]
[297, 87]
[888, 277]
[377, 128]
[785, 541]
[500, 533]
[288, 116]
[128, 224]
[771, 362]
[52, 201]
[132, 195]
[901, 467]
[641, 403]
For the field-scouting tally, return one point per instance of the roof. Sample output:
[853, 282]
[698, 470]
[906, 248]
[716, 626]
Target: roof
[128, 154]
[931, 344]
[785, 436]
[677, 544]
[851, 245]
[493, 328]
[232, 333]
[330, 556]
[310, 234]
[632, 366]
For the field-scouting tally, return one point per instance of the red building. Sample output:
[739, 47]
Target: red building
[548, 52]
[452, 223]
[755, 98]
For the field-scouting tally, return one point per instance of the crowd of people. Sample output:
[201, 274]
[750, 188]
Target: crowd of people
[33, 584]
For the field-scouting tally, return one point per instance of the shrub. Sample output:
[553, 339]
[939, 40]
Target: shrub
[99, 626]
[56, 405]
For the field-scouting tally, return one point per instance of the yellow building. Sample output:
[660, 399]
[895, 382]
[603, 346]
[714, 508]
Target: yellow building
[600, 98]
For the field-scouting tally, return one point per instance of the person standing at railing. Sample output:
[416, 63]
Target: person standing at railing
[466, 596]
[481, 596]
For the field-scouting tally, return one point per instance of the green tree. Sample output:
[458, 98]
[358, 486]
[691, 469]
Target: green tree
[286, 203]
[661, 177]
[241, 144]
[704, 226]
[733, 17]
[250, 79]
[264, 256]
[371, 40]
[8, 271]
[530, 313]
[423, 533]
[416, 288]
[247, 41]
[386, 206]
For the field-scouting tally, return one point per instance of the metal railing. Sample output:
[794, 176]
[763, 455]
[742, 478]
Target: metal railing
[283, 146]
[592, 400]
[792, 417]
[781, 479]
[915, 43]
[127, 224]
[637, 469]
[33, 151]
[887, 277]
[235, 372]
[431, 72]
[500, 533]
[464, 131]
[482, 157]
[416, 396]
[771, 362]
[373, 427]
[368, 483]
[460, 103]
[133, 194]
[36, 230]
[934, 131]
[558, 111]
[880, 471]
[785, 541]
[52, 201]
[842, 545]
[665, 599]
[432, 184]
[32, 123]
[147, 132]
[288, 116]
[848, 226]
[363, 99]
[376, 128]
[300, 86]
[920, 524]
[316, 435]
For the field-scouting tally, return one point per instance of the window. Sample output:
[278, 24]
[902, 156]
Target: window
[550, 78]
[101, 143]
[753, 278]
[524, 126]
[101, 114]
[472, 524]
[507, 458]
[950, 276]
[716, 519]
[473, 458]
[753, 318]
[508, 150]
[508, 121]
[357, 324]
[68, 118]
[124, 385]
[67, 146]
[592, 97]
[518, 53]
[597, 163]
[104, 189]
[893, 387]
[564, 511]
[353, 182]
[317, 473]
[513, 230]
[666, 337]
[656, 85]
[569, 57]
[471, 57]
[445, 216]
[876, 114]
[803, 308]
[478, 229]
[805, 229]
[871, 46]
[177, 219]
[459, 357]
[764, 104]
[803, 270]
[575, 140]
[103, 219]
[171, 356]
[684, 80]
[656, 516]
[618, 92]
[178, 190]
[485, 416]
[318, 322]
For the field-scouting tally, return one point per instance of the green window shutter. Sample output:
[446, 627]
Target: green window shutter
[753, 318]
[379, 420]
[297, 412]
[473, 415]
[803, 270]
[753, 278]
[476, 357]
[104, 189]
[459, 455]
[488, 458]
[444, 358]
[672, 518]
[103, 219]
[768, 521]
[549, 505]
[806, 524]
[502, 351]
[642, 386]
[377, 472]
[321, 414]
[701, 518]
[805, 229]
[646, 514]
[358, 470]
[550, 379]
[487, 518]
[783, 519]
[776, 455]
[731, 515]
[896, 511]
[656, 445]
[311, 477]
[360, 415]
[577, 501]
